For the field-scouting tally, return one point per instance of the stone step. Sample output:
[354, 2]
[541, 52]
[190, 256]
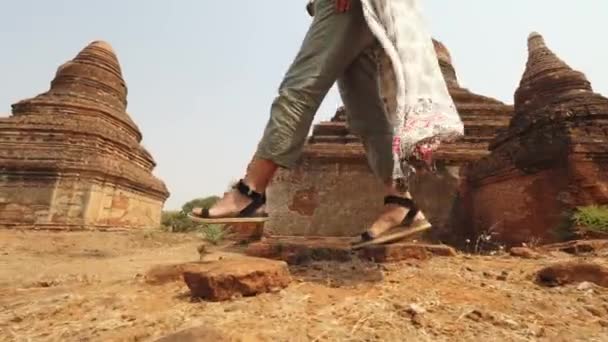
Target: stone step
[405, 251]
[333, 139]
[330, 128]
[296, 250]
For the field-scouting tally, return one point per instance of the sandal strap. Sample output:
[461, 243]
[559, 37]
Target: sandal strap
[257, 199]
[245, 190]
[402, 201]
[406, 203]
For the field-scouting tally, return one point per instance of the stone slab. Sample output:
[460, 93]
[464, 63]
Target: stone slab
[579, 247]
[228, 278]
[169, 273]
[296, 250]
[405, 251]
[245, 232]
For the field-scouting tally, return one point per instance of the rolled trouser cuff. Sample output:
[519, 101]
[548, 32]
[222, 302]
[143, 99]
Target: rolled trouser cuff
[286, 131]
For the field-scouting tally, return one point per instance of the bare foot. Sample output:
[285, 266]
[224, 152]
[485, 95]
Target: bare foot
[391, 216]
[228, 206]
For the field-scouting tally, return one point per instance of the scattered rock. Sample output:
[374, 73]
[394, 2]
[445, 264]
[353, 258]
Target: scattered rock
[164, 274]
[603, 323]
[595, 311]
[245, 232]
[573, 273]
[579, 247]
[404, 251]
[202, 251]
[503, 276]
[479, 316]
[508, 323]
[224, 279]
[525, 253]
[585, 286]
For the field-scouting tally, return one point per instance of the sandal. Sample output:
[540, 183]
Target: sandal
[409, 223]
[248, 214]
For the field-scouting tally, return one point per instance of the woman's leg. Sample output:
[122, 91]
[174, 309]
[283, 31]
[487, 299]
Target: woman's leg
[333, 41]
[366, 118]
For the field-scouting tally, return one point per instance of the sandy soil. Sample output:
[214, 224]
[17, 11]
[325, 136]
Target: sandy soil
[89, 287]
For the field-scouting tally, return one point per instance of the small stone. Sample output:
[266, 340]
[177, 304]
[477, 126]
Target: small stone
[594, 311]
[418, 320]
[509, 323]
[416, 309]
[474, 315]
[525, 253]
[603, 323]
[224, 279]
[404, 251]
[584, 286]
[573, 273]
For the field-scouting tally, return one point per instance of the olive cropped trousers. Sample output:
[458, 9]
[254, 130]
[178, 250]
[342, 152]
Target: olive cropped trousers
[335, 49]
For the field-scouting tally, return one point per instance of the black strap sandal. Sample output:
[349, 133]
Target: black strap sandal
[407, 220]
[247, 214]
[408, 227]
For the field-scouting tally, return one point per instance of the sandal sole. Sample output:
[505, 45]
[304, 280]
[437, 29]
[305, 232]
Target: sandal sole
[227, 219]
[392, 237]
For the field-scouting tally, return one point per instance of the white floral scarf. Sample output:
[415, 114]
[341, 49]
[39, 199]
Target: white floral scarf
[418, 104]
[417, 101]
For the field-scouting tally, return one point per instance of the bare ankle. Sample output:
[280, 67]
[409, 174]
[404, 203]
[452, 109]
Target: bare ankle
[259, 174]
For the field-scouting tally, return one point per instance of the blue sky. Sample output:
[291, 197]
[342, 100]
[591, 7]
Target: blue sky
[201, 74]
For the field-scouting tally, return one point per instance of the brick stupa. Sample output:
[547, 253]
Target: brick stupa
[553, 158]
[71, 157]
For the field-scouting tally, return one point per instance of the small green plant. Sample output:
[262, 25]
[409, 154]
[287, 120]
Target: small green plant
[204, 203]
[592, 218]
[213, 233]
[179, 222]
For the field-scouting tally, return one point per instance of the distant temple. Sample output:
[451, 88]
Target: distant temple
[552, 159]
[71, 158]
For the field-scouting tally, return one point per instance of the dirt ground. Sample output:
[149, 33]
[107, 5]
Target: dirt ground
[88, 286]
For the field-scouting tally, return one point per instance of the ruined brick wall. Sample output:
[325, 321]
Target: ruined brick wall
[552, 159]
[333, 194]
